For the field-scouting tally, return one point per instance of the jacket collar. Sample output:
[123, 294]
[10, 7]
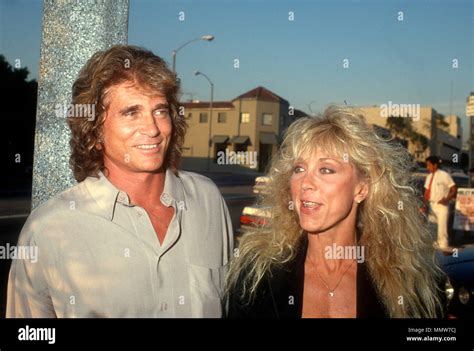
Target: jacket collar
[289, 281]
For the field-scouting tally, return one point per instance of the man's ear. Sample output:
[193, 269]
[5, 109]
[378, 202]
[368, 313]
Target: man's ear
[100, 140]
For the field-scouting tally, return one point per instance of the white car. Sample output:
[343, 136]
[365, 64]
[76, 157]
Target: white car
[255, 215]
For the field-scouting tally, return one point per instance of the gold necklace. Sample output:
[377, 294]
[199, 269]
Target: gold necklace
[331, 291]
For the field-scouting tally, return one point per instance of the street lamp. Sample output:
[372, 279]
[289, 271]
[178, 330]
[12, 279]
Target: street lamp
[204, 37]
[309, 107]
[197, 73]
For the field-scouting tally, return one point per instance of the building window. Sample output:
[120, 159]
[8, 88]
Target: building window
[267, 119]
[190, 115]
[244, 117]
[240, 147]
[221, 117]
[203, 117]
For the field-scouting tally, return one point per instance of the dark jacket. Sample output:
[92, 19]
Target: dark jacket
[280, 294]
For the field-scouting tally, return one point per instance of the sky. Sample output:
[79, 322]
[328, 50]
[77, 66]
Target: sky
[399, 51]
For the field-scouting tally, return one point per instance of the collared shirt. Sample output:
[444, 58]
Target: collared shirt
[99, 256]
[440, 186]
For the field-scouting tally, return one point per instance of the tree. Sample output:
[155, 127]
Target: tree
[440, 122]
[18, 119]
[402, 127]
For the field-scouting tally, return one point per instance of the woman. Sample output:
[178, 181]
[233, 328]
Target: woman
[345, 237]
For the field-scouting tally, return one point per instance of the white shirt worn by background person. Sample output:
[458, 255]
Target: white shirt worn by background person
[99, 256]
[440, 186]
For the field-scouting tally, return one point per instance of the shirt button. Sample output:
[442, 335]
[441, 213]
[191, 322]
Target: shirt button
[166, 199]
[164, 306]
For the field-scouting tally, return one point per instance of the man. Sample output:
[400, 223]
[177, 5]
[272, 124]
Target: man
[440, 189]
[135, 237]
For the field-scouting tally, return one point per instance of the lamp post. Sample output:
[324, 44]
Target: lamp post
[204, 37]
[197, 73]
[309, 107]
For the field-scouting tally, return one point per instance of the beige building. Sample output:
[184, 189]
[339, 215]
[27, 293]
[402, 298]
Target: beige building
[443, 134]
[470, 115]
[241, 135]
[470, 105]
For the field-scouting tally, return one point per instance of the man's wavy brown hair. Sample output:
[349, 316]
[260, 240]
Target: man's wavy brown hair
[118, 64]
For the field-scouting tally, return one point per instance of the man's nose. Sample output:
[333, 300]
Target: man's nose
[149, 126]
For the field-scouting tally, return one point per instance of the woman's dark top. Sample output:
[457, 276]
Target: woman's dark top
[280, 294]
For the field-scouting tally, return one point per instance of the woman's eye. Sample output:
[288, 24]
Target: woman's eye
[325, 170]
[298, 169]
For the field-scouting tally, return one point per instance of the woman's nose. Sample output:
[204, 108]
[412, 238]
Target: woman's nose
[309, 182]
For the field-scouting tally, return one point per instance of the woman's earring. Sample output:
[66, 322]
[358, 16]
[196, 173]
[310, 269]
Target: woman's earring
[291, 205]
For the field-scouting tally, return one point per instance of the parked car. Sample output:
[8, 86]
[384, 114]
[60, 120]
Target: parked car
[255, 215]
[459, 289]
[461, 179]
[260, 185]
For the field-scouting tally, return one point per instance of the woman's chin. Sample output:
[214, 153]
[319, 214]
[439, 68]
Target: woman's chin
[311, 228]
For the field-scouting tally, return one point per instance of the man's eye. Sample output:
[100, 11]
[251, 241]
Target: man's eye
[130, 113]
[161, 113]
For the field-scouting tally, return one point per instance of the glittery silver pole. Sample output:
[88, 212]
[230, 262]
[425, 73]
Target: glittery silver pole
[72, 31]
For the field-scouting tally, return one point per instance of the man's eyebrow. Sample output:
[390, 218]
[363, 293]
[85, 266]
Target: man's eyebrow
[128, 109]
[161, 105]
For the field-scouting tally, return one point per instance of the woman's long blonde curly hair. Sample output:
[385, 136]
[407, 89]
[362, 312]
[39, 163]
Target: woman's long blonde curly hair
[400, 256]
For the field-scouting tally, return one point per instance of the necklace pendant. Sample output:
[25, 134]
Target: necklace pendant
[331, 293]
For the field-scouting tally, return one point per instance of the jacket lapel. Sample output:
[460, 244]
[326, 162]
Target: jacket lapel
[286, 286]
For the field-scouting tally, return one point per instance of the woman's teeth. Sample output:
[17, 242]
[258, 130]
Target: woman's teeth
[309, 204]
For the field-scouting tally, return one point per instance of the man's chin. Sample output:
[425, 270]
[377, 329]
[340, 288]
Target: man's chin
[157, 167]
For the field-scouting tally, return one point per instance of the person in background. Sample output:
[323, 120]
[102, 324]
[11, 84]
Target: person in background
[440, 189]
